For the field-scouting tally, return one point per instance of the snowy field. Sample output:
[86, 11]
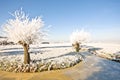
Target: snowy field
[52, 56]
[37, 52]
[45, 51]
[106, 47]
[106, 50]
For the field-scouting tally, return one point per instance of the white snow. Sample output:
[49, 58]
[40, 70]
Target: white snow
[79, 36]
[52, 51]
[61, 53]
[58, 52]
[106, 47]
[44, 57]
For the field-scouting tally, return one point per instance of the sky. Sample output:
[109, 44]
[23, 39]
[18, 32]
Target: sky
[101, 18]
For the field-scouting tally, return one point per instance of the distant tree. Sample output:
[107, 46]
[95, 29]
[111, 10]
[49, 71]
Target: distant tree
[24, 31]
[79, 37]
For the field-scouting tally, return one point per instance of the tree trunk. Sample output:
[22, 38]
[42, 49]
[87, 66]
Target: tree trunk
[76, 46]
[26, 54]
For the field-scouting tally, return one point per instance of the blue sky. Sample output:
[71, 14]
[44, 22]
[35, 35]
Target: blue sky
[99, 17]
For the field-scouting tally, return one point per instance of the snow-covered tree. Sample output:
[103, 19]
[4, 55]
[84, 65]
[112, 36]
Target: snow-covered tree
[25, 31]
[79, 37]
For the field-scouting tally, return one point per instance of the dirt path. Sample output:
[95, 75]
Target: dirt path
[49, 75]
[93, 68]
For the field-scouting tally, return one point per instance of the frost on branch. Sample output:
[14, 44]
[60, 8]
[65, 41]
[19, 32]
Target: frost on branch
[24, 31]
[21, 28]
[79, 37]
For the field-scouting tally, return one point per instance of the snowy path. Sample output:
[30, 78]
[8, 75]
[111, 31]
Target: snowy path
[95, 68]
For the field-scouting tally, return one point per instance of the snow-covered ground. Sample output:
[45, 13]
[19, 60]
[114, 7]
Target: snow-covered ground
[45, 55]
[106, 47]
[49, 51]
[106, 50]
[61, 54]
[37, 52]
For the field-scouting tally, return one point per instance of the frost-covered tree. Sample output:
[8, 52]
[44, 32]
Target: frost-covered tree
[23, 30]
[79, 37]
